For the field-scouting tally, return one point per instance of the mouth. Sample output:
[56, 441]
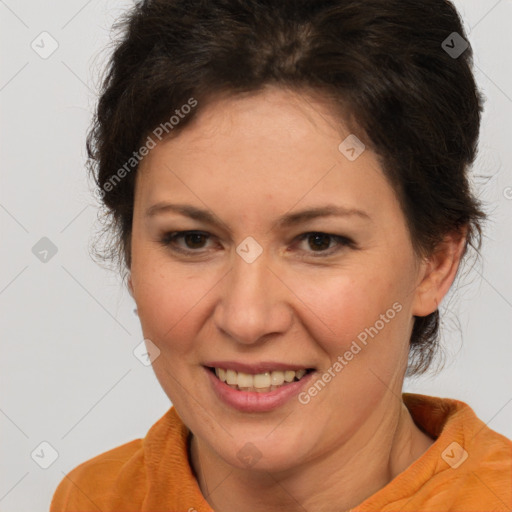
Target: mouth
[259, 382]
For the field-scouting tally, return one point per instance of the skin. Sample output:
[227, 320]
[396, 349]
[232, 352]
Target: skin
[249, 160]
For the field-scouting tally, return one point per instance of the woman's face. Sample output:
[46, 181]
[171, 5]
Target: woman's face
[251, 293]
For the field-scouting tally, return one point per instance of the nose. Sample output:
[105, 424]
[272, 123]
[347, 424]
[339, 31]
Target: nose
[253, 302]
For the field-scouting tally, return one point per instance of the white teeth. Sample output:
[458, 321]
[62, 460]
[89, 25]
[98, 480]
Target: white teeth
[300, 373]
[245, 380]
[277, 378]
[231, 377]
[261, 382]
[289, 375]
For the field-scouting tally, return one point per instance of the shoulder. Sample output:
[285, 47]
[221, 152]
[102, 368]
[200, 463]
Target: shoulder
[489, 466]
[94, 484]
[469, 465]
[117, 479]
[476, 471]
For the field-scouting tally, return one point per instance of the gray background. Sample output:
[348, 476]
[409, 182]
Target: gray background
[68, 374]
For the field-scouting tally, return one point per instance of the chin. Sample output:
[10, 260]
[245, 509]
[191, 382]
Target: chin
[264, 450]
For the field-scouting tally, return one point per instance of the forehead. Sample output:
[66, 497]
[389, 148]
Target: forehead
[281, 117]
[275, 147]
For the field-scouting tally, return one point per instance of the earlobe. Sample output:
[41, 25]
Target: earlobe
[439, 272]
[130, 285]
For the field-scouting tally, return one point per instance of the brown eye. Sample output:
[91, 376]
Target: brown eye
[194, 240]
[320, 243]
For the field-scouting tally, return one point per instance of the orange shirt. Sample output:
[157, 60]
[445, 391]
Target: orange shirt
[468, 468]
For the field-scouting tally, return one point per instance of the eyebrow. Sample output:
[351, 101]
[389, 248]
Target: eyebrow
[288, 220]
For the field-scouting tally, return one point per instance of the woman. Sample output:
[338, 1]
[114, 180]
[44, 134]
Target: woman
[288, 188]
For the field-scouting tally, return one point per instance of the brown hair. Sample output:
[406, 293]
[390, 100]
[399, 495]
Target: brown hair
[391, 66]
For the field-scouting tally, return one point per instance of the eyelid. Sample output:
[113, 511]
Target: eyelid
[168, 237]
[341, 242]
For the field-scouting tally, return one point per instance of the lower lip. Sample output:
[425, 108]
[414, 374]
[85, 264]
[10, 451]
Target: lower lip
[254, 401]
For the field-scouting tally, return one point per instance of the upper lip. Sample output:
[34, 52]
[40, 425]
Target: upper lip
[254, 368]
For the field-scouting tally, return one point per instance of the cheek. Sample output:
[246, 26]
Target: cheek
[167, 302]
[336, 306]
[345, 307]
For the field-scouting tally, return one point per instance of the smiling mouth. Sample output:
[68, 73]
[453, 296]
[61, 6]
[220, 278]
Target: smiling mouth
[260, 382]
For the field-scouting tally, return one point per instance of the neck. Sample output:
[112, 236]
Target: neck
[336, 481]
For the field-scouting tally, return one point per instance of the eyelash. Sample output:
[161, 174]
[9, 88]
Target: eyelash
[168, 241]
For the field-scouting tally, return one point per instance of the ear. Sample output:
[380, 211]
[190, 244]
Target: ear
[130, 285]
[438, 272]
